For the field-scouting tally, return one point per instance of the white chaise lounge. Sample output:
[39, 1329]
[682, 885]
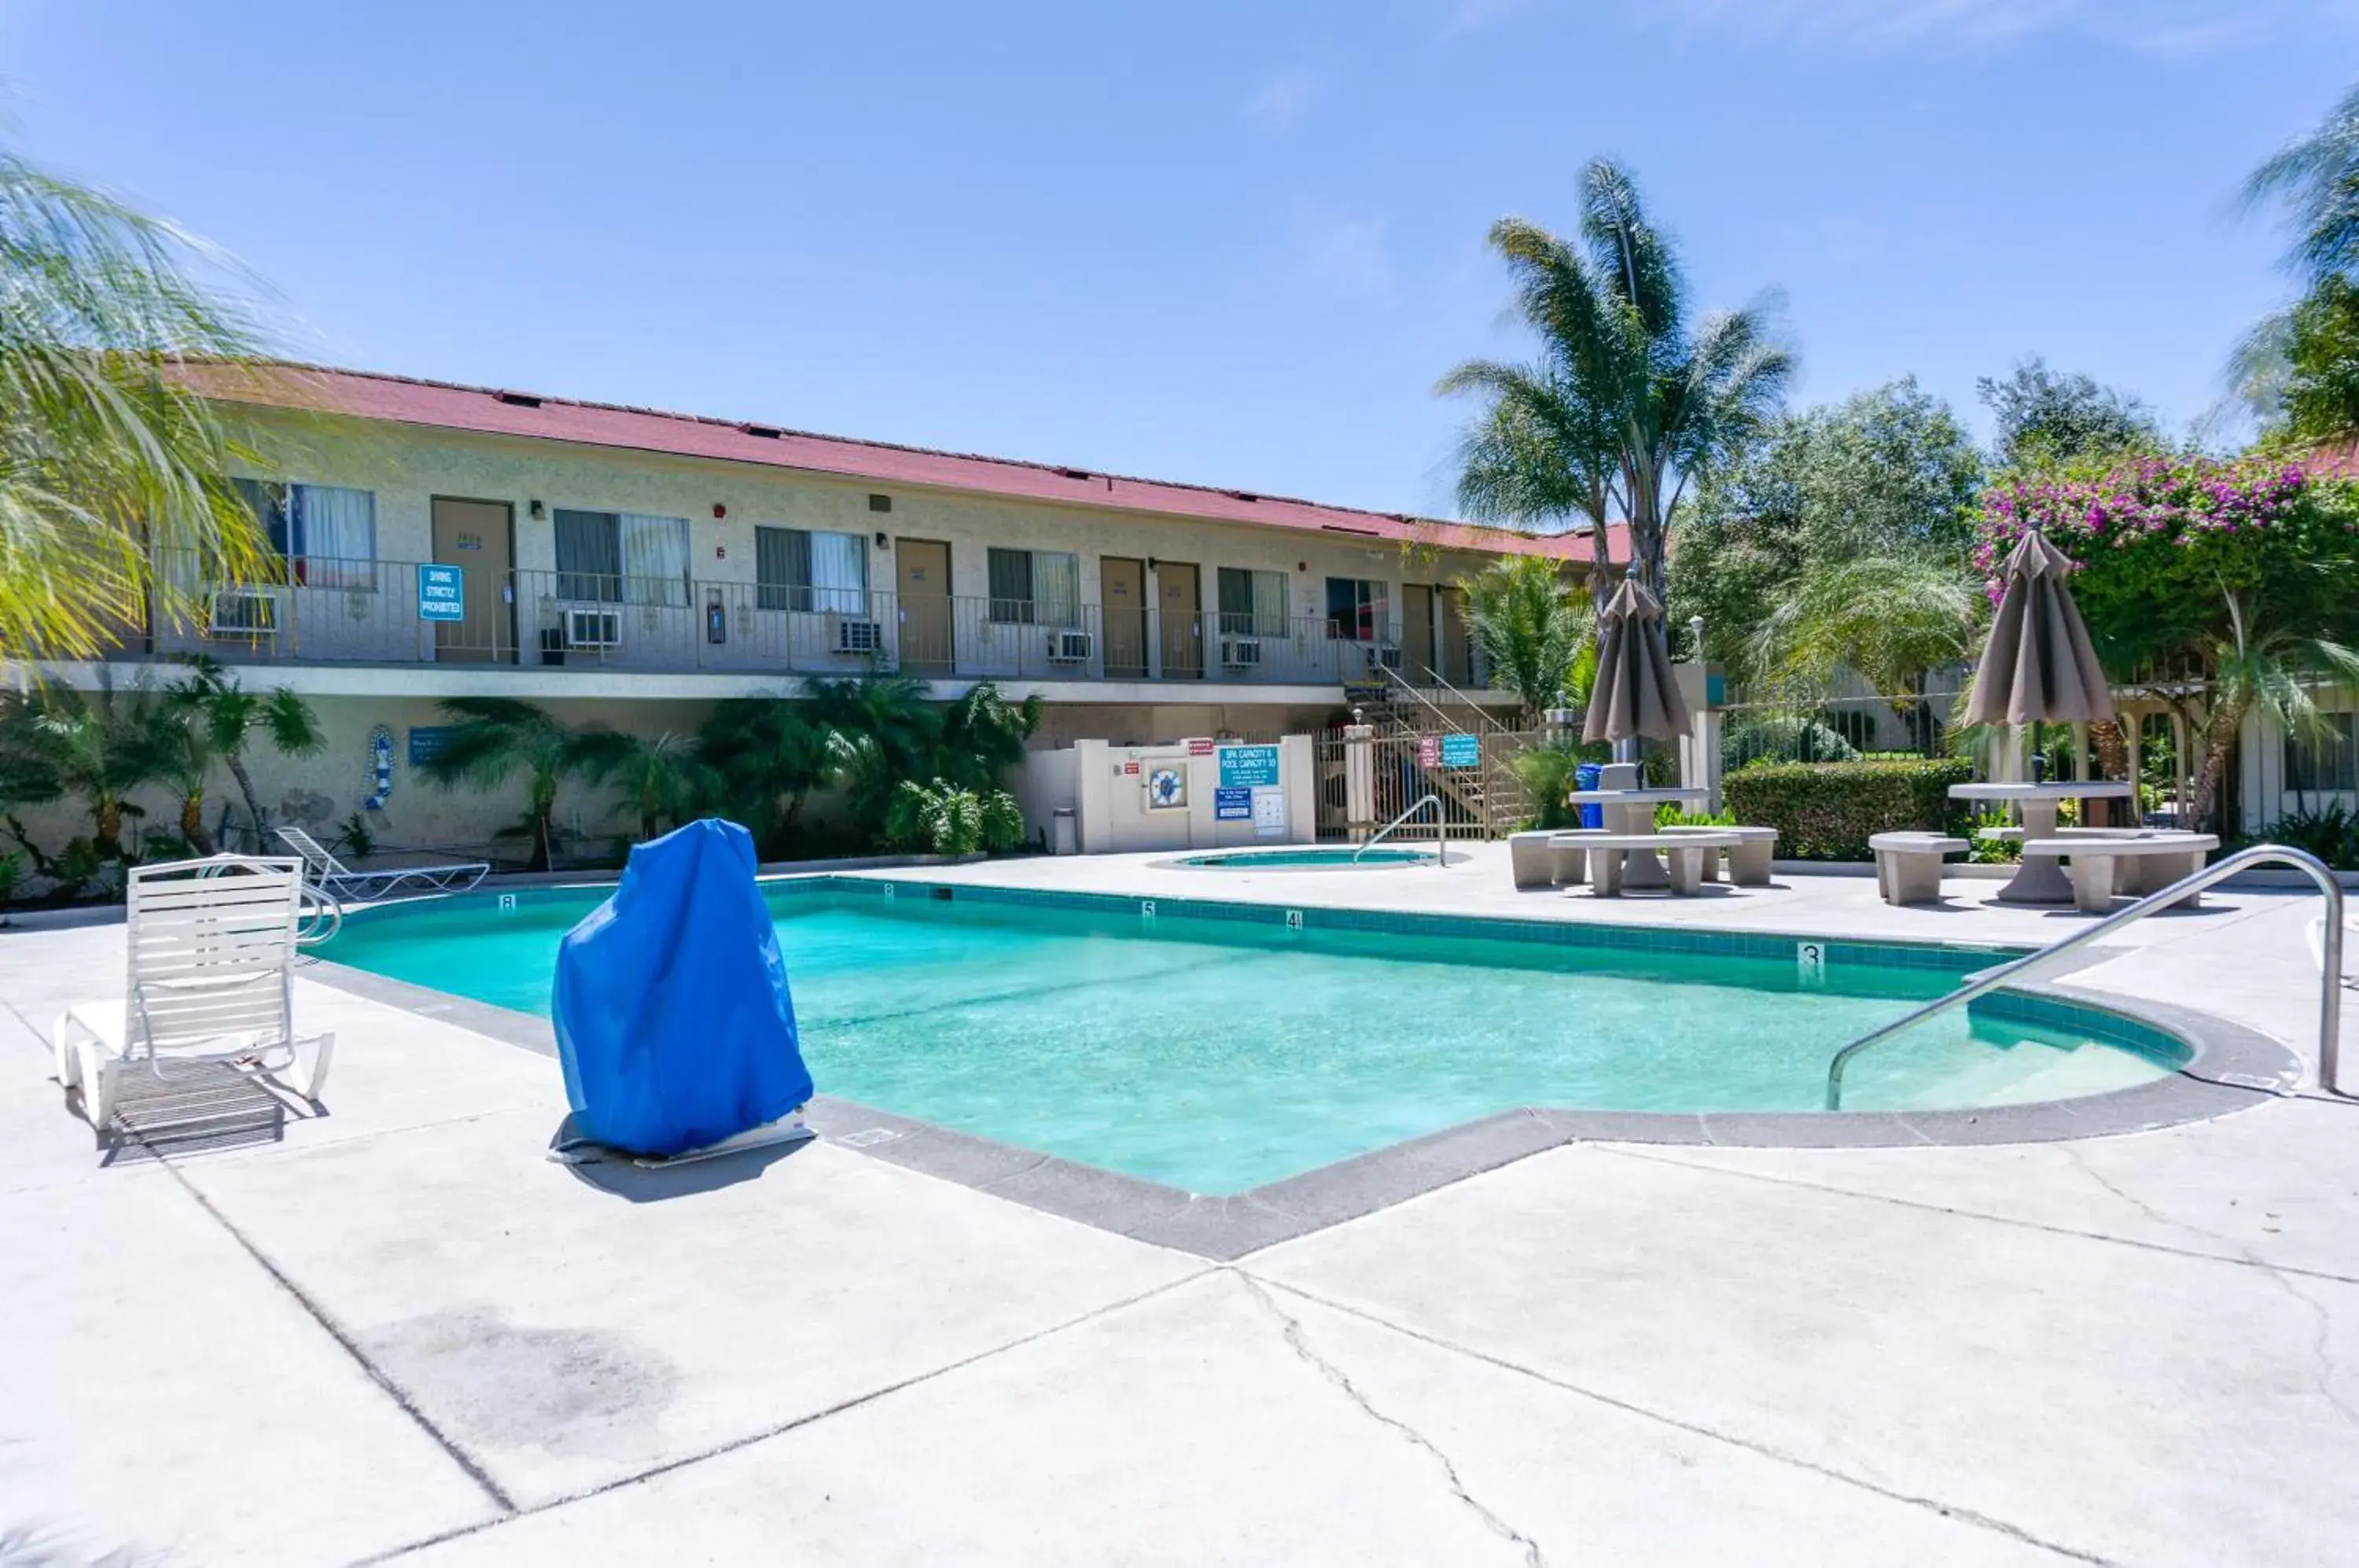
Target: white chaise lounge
[331, 875]
[211, 946]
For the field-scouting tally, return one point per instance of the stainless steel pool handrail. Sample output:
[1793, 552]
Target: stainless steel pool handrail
[2330, 1003]
[323, 919]
[1418, 805]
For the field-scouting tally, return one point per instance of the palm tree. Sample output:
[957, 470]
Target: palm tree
[2318, 178]
[1889, 617]
[662, 781]
[984, 734]
[1528, 629]
[766, 756]
[222, 720]
[884, 729]
[495, 739]
[101, 745]
[109, 457]
[1628, 400]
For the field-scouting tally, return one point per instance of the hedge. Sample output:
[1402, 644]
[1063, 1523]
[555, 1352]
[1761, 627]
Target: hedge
[1825, 810]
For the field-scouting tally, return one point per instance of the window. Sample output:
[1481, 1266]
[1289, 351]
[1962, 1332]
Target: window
[325, 533]
[1036, 587]
[798, 568]
[1252, 604]
[2329, 761]
[622, 558]
[1356, 611]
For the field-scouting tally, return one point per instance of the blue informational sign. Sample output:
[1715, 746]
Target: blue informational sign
[1233, 805]
[1461, 751]
[441, 594]
[1244, 766]
[426, 743]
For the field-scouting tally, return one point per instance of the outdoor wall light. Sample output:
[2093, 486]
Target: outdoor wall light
[882, 542]
[533, 508]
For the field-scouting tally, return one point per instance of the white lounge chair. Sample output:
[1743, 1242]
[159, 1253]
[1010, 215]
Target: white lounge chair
[332, 876]
[210, 948]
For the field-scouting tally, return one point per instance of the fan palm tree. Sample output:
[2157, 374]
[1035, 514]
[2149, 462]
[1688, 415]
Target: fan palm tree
[497, 737]
[1529, 628]
[1629, 398]
[109, 457]
[222, 720]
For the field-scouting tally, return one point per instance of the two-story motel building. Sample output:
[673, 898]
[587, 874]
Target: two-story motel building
[628, 566]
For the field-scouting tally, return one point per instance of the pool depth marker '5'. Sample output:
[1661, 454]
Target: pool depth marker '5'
[2330, 1001]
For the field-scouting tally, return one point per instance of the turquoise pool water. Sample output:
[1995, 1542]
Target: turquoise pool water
[1218, 1054]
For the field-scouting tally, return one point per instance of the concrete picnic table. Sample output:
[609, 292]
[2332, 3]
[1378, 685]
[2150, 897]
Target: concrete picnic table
[1632, 811]
[2042, 880]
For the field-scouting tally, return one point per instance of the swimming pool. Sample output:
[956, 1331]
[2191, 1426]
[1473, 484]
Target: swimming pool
[1217, 1047]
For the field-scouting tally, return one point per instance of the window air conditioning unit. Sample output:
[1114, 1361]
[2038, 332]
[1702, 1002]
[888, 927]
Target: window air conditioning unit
[1383, 657]
[859, 636]
[1241, 653]
[1068, 647]
[593, 628]
[242, 614]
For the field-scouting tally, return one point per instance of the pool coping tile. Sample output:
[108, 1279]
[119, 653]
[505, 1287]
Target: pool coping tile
[2223, 1067]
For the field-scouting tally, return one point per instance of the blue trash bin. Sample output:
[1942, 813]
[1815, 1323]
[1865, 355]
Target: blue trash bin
[1585, 776]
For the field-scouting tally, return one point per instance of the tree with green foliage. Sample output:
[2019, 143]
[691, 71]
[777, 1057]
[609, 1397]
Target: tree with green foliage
[221, 721]
[984, 734]
[1631, 396]
[1838, 540]
[2316, 180]
[495, 739]
[103, 744]
[2246, 570]
[662, 782]
[767, 756]
[943, 818]
[109, 458]
[1530, 628]
[2047, 417]
[2298, 370]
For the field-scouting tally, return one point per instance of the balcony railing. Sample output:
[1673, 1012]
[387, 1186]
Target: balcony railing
[367, 611]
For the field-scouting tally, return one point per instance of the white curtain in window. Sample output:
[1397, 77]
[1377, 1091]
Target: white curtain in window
[1057, 587]
[839, 573]
[655, 559]
[335, 530]
[1270, 604]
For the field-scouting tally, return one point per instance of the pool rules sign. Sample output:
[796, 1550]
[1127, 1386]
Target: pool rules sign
[1249, 789]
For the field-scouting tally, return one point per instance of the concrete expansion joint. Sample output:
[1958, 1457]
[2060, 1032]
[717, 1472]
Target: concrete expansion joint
[2321, 1344]
[1298, 1342]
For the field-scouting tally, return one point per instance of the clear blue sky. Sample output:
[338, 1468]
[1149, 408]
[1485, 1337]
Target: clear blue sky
[1225, 241]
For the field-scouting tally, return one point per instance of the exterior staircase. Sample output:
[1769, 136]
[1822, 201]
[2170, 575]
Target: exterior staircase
[1490, 797]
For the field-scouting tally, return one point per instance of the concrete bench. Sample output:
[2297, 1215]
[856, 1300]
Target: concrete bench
[1529, 860]
[2098, 856]
[1683, 853]
[1748, 862]
[1909, 864]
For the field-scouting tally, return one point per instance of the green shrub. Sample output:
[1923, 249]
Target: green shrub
[2330, 833]
[1788, 739]
[1826, 810]
[946, 819]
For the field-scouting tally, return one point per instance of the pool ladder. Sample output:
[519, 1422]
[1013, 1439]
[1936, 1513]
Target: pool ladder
[2330, 1001]
[1440, 858]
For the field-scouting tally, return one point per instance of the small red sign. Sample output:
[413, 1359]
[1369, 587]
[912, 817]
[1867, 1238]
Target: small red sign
[1429, 751]
[1200, 745]
[1131, 767]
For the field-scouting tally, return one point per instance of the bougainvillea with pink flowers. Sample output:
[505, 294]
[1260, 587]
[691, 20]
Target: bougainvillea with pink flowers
[2164, 543]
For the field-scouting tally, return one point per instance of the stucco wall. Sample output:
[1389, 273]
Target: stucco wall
[407, 467]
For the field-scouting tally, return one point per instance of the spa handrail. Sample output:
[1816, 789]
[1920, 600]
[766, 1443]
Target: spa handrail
[2329, 1004]
[1420, 805]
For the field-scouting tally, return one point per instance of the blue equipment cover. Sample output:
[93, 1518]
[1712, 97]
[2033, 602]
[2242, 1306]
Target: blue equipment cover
[1585, 776]
[671, 1008]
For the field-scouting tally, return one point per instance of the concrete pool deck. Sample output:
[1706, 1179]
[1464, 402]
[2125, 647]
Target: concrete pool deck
[397, 1332]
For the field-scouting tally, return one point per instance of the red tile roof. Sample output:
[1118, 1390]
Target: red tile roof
[493, 411]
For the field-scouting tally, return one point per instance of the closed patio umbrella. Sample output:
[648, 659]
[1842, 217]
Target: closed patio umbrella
[2039, 666]
[1636, 695]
